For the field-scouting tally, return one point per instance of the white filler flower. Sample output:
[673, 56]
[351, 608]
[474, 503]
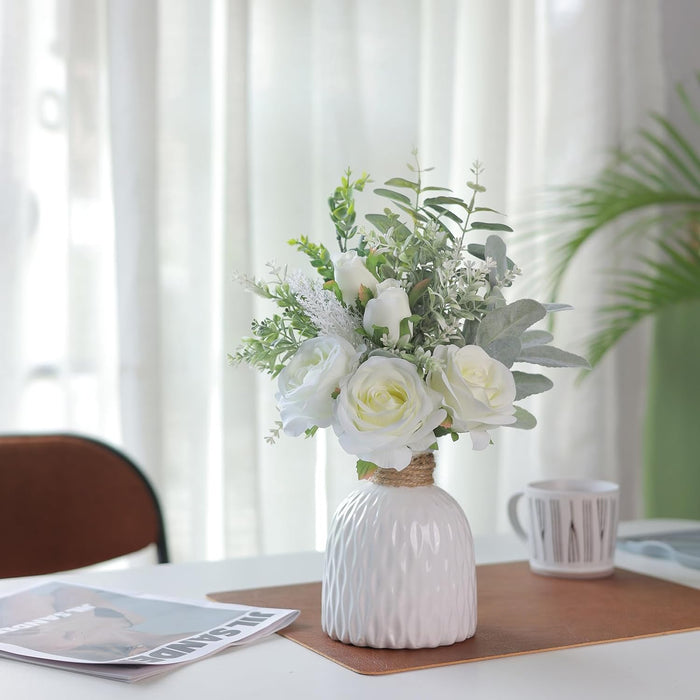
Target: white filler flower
[308, 381]
[385, 412]
[477, 390]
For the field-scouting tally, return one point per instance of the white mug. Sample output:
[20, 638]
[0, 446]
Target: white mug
[572, 527]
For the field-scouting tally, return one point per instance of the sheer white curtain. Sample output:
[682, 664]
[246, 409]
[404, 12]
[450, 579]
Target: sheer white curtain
[150, 150]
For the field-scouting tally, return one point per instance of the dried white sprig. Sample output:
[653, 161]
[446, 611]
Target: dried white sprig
[324, 309]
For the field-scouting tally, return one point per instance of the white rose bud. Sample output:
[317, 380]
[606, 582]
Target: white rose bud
[477, 390]
[308, 381]
[385, 412]
[389, 307]
[350, 273]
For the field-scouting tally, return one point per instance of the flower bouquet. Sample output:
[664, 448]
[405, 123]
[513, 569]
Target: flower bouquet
[401, 337]
[404, 334]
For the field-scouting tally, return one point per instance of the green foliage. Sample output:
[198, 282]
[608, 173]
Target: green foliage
[650, 190]
[454, 288]
[419, 240]
[277, 338]
[527, 384]
[318, 254]
[673, 280]
[342, 206]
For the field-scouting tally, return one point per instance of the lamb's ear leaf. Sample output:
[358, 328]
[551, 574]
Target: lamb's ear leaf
[510, 320]
[549, 356]
[527, 384]
[531, 338]
[496, 250]
[524, 419]
[506, 350]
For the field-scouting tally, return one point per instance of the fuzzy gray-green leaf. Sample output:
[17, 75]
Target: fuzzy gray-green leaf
[554, 307]
[527, 384]
[505, 349]
[524, 419]
[478, 250]
[496, 249]
[510, 320]
[531, 338]
[549, 356]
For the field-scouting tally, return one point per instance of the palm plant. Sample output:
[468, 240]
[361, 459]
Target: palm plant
[652, 191]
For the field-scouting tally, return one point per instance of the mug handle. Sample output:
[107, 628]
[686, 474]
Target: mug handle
[513, 515]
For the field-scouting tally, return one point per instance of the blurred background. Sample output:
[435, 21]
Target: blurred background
[151, 150]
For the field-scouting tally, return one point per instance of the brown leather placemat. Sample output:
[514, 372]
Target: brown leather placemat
[519, 613]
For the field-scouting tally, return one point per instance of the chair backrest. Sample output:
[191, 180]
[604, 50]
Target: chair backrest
[68, 501]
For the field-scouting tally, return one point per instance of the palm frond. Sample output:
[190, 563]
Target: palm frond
[655, 185]
[675, 279]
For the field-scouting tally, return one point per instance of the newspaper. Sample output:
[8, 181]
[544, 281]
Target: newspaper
[123, 636]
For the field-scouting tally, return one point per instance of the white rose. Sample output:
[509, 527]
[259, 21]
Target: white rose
[477, 390]
[307, 382]
[385, 412]
[350, 273]
[389, 307]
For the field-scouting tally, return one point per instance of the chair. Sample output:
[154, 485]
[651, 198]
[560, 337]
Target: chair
[68, 501]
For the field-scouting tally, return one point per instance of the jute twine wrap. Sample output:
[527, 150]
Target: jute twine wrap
[418, 473]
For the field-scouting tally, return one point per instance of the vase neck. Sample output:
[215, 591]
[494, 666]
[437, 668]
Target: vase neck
[418, 473]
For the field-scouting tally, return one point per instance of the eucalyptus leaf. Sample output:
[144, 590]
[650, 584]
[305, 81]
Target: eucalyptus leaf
[402, 182]
[443, 201]
[493, 211]
[509, 320]
[390, 194]
[524, 419]
[489, 226]
[442, 211]
[531, 338]
[416, 215]
[385, 223]
[505, 349]
[549, 356]
[527, 384]
[381, 221]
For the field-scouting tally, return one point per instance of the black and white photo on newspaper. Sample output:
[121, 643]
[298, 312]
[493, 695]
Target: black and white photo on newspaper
[67, 625]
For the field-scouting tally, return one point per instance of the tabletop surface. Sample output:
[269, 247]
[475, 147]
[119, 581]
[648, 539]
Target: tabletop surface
[664, 667]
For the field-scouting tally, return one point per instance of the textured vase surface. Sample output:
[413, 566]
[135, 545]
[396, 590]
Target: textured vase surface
[399, 570]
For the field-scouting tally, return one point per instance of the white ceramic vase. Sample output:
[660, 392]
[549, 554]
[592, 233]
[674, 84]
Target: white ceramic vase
[399, 569]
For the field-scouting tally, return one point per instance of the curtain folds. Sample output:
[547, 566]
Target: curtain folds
[154, 149]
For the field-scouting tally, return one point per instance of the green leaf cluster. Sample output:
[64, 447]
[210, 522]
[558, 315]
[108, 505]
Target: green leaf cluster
[420, 240]
[342, 208]
[318, 254]
[274, 340]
